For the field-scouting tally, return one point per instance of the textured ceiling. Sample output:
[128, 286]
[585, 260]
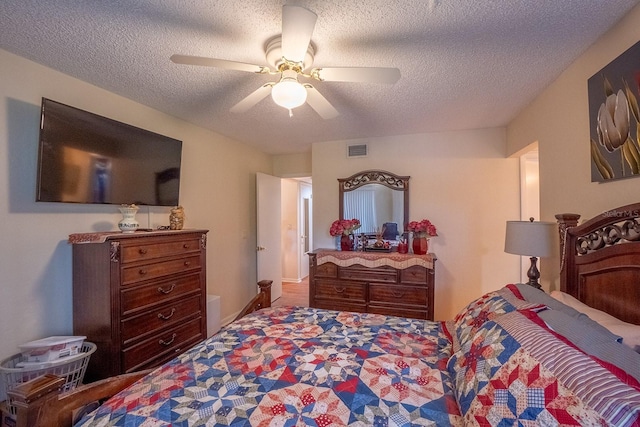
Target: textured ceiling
[465, 64]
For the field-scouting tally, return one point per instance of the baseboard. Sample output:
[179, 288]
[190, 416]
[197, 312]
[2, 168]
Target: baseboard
[298, 280]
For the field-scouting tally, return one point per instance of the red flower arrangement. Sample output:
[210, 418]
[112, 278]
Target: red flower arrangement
[423, 228]
[344, 226]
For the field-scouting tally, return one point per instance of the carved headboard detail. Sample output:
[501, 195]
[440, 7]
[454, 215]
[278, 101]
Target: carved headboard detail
[600, 260]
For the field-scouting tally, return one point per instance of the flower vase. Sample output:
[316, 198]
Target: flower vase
[420, 245]
[346, 242]
[128, 223]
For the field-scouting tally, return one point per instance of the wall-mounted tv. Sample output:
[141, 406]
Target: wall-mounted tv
[87, 158]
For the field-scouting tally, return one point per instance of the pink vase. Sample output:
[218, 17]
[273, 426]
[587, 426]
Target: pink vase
[420, 245]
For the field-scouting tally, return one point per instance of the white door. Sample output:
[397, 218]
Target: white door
[269, 244]
[305, 228]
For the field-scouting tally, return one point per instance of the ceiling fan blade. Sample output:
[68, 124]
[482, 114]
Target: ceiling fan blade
[253, 98]
[319, 103]
[218, 63]
[297, 27]
[358, 74]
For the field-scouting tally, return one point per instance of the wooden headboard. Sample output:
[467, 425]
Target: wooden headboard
[600, 261]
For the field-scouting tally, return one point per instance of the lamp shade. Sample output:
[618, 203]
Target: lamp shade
[529, 238]
[288, 92]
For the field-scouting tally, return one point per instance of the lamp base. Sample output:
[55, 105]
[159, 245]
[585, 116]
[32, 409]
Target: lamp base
[533, 274]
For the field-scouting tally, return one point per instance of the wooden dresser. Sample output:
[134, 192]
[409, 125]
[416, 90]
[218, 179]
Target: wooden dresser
[140, 297]
[369, 282]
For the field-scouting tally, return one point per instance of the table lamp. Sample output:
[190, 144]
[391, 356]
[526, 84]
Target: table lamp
[530, 238]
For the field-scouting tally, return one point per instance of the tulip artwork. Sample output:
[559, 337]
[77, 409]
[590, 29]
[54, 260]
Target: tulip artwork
[615, 118]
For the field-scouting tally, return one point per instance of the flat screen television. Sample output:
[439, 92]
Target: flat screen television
[87, 158]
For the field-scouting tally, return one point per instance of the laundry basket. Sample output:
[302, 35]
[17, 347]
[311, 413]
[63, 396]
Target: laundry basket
[71, 368]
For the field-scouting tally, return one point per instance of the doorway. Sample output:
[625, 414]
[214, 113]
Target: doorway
[305, 220]
[284, 214]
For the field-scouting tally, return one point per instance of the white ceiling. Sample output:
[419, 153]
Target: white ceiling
[465, 64]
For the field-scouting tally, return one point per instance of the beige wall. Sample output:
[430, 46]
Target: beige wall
[292, 165]
[461, 181]
[558, 120]
[217, 192]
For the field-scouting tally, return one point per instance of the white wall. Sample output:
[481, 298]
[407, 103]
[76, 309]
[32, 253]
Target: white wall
[217, 192]
[461, 181]
[558, 120]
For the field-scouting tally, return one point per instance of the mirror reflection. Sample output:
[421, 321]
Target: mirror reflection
[379, 199]
[375, 205]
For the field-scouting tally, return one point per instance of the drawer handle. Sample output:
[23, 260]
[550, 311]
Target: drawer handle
[340, 290]
[167, 291]
[163, 342]
[187, 263]
[142, 251]
[168, 316]
[142, 271]
[397, 294]
[186, 246]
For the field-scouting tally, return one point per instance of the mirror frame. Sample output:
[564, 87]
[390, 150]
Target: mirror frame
[388, 179]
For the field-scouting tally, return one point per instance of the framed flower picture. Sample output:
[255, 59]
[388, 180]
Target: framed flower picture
[614, 118]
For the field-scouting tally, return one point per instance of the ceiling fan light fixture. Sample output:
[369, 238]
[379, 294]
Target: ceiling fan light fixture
[288, 92]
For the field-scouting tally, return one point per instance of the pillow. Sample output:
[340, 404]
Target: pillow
[514, 371]
[629, 332]
[597, 342]
[534, 295]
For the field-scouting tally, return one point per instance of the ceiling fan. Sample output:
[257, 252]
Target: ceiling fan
[291, 54]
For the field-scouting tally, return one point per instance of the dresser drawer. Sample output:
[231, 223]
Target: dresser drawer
[398, 311]
[168, 342]
[341, 305]
[327, 269]
[160, 360]
[131, 253]
[415, 274]
[163, 316]
[398, 294]
[369, 274]
[138, 273]
[135, 298]
[341, 290]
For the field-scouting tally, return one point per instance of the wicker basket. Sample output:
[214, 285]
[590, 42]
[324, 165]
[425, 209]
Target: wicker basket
[71, 368]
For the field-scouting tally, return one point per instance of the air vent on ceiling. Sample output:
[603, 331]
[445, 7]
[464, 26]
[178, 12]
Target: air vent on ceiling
[359, 150]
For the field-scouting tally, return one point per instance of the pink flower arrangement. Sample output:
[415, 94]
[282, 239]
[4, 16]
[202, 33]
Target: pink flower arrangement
[344, 226]
[423, 228]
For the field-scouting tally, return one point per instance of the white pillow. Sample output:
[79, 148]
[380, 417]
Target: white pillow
[629, 332]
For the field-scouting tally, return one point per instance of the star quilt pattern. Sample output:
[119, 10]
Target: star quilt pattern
[495, 364]
[299, 367]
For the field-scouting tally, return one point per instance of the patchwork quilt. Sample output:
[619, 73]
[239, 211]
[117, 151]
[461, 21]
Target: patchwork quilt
[495, 364]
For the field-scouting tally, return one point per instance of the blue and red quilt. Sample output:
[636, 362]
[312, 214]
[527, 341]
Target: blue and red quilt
[495, 364]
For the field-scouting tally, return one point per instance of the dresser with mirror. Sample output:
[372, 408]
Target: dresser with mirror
[384, 282]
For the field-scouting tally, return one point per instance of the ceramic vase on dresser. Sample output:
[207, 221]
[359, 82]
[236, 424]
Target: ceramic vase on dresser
[420, 245]
[128, 223]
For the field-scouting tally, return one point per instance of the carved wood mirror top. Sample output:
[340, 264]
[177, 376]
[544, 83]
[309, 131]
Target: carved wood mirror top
[375, 197]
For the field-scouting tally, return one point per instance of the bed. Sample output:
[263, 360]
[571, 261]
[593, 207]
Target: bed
[515, 356]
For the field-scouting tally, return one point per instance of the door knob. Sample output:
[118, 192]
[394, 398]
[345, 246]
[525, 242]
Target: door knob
[260, 248]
